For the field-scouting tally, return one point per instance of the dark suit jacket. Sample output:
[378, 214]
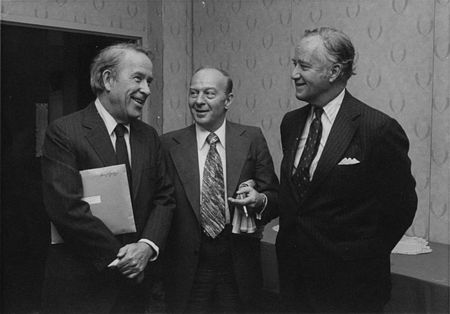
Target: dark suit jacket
[247, 157]
[80, 141]
[351, 212]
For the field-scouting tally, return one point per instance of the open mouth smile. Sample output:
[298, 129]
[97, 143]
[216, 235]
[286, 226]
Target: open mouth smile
[139, 100]
[201, 111]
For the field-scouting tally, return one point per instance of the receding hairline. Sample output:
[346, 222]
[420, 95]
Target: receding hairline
[316, 42]
[338, 48]
[111, 58]
[228, 80]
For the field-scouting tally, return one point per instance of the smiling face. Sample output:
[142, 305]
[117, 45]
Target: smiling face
[128, 87]
[312, 74]
[208, 100]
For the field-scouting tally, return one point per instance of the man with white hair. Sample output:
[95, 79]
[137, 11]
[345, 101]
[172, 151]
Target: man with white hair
[346, 192]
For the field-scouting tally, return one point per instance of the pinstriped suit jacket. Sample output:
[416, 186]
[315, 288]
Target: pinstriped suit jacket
[80, 141]
[350, 212]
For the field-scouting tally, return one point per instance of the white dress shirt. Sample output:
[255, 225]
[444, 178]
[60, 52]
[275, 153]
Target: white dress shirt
[111, 124]
[330, 112]
[203, 148]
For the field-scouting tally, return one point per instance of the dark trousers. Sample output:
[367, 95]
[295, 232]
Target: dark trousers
[215, 289]
[72, 286]
[334, 286]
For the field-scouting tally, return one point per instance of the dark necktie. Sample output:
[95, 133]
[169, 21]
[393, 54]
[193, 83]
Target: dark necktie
[301, 177]
[212, 208]
[121, 150]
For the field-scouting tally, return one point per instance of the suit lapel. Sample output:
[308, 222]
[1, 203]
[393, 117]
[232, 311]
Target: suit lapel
[138, 147]
[300, 122]
[342, 133]
[237, 146]
[97, 135]
[185, 158]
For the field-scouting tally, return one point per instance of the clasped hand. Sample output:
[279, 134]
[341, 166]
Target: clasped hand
[252, 200]
[132, 259]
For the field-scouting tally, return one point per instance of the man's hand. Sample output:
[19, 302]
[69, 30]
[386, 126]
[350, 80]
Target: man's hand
[252, 200]
[132, 259]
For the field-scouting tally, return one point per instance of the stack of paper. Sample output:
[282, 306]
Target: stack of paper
[412, 246]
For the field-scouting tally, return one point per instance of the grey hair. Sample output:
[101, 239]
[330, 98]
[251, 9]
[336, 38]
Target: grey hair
[108, 59]
[339, 48]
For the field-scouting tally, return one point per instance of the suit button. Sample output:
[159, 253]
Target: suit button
[195, 252]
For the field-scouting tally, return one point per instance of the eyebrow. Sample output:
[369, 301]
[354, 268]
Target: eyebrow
[300, 61]
[142, 74]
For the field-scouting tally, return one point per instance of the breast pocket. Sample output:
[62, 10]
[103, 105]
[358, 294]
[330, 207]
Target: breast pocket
[349, 170]
[347, 180]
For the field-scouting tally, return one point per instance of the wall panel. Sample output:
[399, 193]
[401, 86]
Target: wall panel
[177, 34]
[402, 70]
[440, 127]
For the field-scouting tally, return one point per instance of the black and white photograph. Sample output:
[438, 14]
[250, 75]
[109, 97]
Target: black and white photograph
[225, 156]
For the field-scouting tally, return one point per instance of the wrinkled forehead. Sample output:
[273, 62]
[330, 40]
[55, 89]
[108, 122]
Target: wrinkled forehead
[134, 61]
[309, 48]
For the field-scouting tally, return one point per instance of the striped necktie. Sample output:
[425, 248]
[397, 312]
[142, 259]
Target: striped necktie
[212, 208]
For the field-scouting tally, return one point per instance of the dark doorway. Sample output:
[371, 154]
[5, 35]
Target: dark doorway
[44, 75]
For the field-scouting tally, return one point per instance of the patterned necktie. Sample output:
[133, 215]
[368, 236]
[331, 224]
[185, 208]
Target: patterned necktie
[121, 149]
[212, 208]
[301, 177]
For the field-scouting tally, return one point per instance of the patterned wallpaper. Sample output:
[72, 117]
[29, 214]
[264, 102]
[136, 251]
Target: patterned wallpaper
[403, 65]
[439, 182]
[177, 66]
[402, 69]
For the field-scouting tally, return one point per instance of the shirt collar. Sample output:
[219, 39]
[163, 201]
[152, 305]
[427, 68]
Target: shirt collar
[331, 109]
[202, 134]
[107, 118]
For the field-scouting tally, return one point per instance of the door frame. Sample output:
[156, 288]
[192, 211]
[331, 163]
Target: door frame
[29, 21]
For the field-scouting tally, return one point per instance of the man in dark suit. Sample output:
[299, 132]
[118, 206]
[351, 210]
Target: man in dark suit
[346, 194]
[211, 267]
[94, 271]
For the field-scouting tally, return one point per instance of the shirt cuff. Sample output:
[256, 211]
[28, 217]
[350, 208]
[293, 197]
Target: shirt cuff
[153, 246]
[113, 263]
[259, 215]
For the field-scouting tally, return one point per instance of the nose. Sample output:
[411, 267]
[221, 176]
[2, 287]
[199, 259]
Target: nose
[145, 87]
[295, 75]
[200, 100]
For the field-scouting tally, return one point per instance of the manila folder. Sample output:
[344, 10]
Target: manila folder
[108, 195]
[107, 192]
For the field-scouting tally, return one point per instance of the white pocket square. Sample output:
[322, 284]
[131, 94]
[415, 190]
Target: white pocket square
[348, 161]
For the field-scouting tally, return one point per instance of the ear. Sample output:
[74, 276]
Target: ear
[335, 72]
[107, 78]
[228, 101]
